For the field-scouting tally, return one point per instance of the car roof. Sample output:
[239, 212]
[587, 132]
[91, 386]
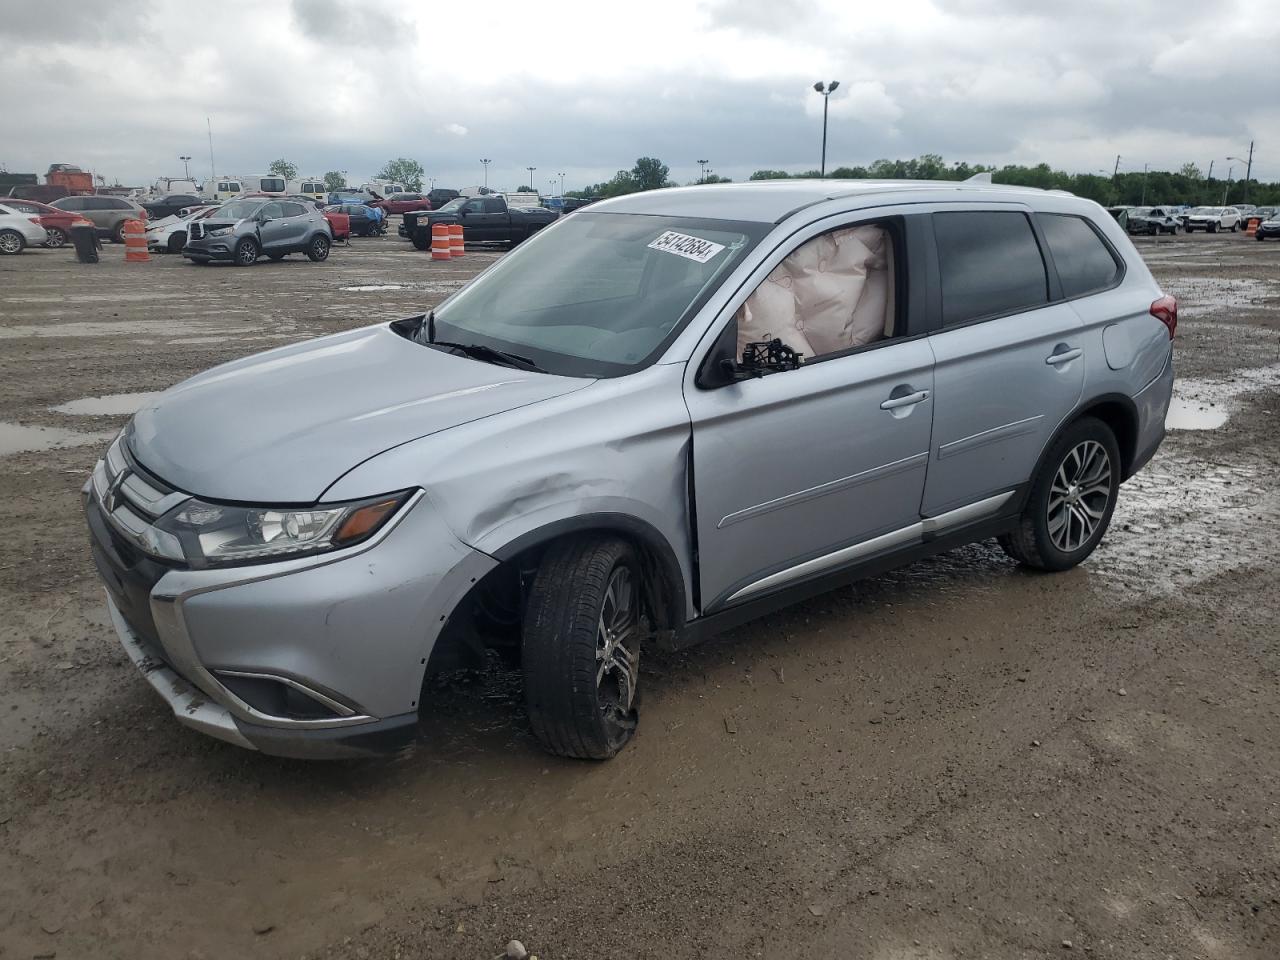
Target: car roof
[771, 201]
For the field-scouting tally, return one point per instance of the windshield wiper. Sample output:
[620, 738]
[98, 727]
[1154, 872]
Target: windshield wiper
[426, 335]
[480, 351]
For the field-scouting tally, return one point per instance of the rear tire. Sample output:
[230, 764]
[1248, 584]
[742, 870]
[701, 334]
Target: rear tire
[246, 252]
[1071, 499]
[117, 235]
[55, 238]
[583, 624]
[318, 249]
[11, 242]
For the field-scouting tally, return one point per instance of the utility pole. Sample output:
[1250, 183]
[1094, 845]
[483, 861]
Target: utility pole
[1248, 172]
[702, 177]
[1227, 189]
[213, 173]
[1116, 172]
[1144, 185]
[1210, 176]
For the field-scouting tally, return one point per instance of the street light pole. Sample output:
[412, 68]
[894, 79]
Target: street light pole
[186, 169]
[1144, 185]
[1227, 189]
[531, 169]
[486, 163]
[561, 176]
[702, 177]
[826, 92]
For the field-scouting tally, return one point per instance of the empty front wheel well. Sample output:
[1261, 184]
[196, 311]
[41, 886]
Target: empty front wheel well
[489, 616]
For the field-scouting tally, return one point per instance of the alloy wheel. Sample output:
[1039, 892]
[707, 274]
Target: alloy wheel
[55, 238]
[10, 243]
[618, 647]
[1079, 495]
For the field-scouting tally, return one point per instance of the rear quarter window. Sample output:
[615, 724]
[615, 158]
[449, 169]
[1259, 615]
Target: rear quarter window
[1084, 262]
[989, 264]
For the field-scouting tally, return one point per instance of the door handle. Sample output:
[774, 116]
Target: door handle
[893, 403]
[1064, 357]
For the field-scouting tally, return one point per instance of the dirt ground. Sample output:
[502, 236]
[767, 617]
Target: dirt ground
[958, 759]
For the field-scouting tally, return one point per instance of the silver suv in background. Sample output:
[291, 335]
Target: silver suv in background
[107, 213]
[662, 416]
[241, 231]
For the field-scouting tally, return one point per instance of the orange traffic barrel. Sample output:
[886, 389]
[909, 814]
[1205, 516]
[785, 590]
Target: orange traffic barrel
[1251, 227]
[456, 248]
[135, 242]
[440, 241]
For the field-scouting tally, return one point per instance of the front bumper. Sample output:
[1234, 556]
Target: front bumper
[211, 248]
[352, 630]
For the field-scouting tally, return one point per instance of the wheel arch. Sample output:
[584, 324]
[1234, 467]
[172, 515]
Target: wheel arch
[662, 568]
[1119, 413]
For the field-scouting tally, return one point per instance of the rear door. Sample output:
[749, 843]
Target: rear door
[1010, 362]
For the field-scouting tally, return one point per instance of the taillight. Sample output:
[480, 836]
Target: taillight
[1166, 311]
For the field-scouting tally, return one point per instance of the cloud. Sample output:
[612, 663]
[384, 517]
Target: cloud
[346, 85]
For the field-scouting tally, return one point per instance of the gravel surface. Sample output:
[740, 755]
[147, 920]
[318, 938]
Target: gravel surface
[957, 759]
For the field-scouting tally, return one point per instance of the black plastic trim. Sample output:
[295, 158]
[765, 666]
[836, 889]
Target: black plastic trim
[698, 630]
[377, 738]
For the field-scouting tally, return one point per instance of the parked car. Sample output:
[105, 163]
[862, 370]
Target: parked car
[57, 223]
[363, 220]
[244, 230]
[107, 213]
[171, 203]
[404, 202]
[169, 235]
[570, 204]
[19, 230]
[1152, 221]
[1212, 219]
[339, 223]
[484, 219]
[44, 192]
[1269, 227]
[440, 196]
[319, 204]
[409, 220]
[641, 427]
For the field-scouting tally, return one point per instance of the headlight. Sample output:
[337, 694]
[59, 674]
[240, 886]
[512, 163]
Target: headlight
[217, 535]
[218, 231]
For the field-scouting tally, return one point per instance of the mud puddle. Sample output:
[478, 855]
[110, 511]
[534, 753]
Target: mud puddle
[114, 404]
[15, 438]
[368, 288]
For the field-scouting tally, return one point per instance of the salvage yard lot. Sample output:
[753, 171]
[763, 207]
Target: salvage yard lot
[955, 759]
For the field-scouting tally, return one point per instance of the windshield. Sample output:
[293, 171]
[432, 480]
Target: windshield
[239, 209]
[1205, 211]
[599, 294]
[453, 204]
[1140, 211]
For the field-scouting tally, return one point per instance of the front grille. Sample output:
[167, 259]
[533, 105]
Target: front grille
[196, 231]
[128, 574]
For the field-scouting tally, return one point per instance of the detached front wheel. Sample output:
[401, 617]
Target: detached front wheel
[583, 624]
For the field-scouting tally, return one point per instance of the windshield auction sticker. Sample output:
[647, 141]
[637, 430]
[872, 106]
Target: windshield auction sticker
[683, 245]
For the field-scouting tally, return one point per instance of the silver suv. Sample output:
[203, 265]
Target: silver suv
[244, 230]
[109, 214]
[662, 416]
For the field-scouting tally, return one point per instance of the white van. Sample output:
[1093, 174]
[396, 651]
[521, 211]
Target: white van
[313, 188]
[223, 188]
[265, 183]
[383, 188]
[167, 185]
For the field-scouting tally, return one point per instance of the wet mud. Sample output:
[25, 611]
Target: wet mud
[955, 759]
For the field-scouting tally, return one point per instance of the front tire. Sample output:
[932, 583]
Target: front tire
[11, 242]
[318, 249]
[583, 623]
[246, 252]
[1071, 500]
[176, 242]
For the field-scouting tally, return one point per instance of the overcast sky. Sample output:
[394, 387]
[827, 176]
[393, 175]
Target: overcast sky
[124, 86]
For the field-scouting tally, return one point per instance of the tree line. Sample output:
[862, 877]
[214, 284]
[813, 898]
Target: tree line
[1187, 184]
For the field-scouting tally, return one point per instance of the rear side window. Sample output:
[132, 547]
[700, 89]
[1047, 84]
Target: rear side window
[493, 206]
[1085, 263]
[989, 263]
[293, 209]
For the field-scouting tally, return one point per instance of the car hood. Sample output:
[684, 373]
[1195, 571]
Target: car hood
[282, 426]
[163, 222]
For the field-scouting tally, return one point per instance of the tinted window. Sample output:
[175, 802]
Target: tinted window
[1084, 263]
[293, 209]
[474, 206]
[70, 203]
[990, 264]
[272, 210]
[272, 185]
[493, 206]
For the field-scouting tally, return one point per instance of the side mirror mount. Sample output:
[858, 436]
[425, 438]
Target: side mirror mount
[722, 368]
